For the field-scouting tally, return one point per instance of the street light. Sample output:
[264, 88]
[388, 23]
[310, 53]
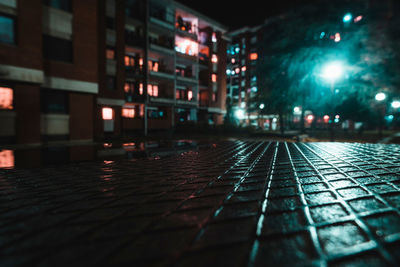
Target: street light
[332, 72]
[347, 17]
[396, 104]
[380, 96]
[240, 114]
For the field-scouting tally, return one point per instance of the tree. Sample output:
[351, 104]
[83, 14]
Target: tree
[296, 46]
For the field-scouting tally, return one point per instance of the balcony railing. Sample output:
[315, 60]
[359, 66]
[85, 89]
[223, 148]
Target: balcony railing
[163, 42]
[161, 14]
[134, 39]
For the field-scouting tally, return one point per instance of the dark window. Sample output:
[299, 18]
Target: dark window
[57, 49]
[54, 101]
[7, 29]
[110, 23]
[111, 82]
[65, 5]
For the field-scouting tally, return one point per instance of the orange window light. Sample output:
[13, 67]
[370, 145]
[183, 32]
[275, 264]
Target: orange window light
[214, 78]
[127, 88]
[155, 90]
[155, 66]
[127, 61]
[7, 159]
[128, 112]
[150, 90]
[141, 89]
[6, 98]
[107, 113]
[110, 54]
[214, 58]
[190, 95]
[253, 56]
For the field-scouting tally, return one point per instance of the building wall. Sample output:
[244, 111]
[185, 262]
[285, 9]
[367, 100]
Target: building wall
[27, 52]
[84, 41]
[27, 103]
[81, 116]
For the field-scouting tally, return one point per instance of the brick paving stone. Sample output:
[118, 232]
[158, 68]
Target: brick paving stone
[238, 203]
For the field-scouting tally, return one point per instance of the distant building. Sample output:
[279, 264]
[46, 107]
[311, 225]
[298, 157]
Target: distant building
[243, 88]
[84, 70]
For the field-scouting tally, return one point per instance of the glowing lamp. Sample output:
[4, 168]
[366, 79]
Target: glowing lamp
[347, 18]
[396, 104]
[333, 71]
[380, 96]
[240, 114]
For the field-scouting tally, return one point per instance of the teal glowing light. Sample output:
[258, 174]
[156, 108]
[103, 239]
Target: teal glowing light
[347, 18]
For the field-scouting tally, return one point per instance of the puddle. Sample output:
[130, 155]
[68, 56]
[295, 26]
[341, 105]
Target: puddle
[43, 156]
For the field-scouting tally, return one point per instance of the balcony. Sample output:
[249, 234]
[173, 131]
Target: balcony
[134, 39]
[133, 72]
[162, 17]
[164, 45]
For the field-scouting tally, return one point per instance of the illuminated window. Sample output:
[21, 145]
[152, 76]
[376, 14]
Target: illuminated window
[6, 98]
[129, 61]
[214, 78]
[107, 113]
[110, 53]
[214, 37]
[214, 97]
[186, 46]
[204, 52]
[128, 113]
[237, 70]
[158, 113]
[141, 63]
[244, 68]
[190, 95]
[128, 87]
[253, 56]
[155, 90]
[141, 89]
[152, 90]
[7, 29]
[214, 58]
[7, 159]
[153, 65]
[233, 61]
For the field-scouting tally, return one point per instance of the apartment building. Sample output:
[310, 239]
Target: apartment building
[161, 64]
[242, 77]
[85, 70]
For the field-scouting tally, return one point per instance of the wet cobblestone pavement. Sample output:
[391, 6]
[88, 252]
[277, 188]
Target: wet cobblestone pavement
[237, 203]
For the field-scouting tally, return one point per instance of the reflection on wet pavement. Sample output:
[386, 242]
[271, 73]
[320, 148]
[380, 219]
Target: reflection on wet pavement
[242, 203]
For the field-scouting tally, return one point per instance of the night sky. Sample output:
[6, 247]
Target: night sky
[235, 14]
